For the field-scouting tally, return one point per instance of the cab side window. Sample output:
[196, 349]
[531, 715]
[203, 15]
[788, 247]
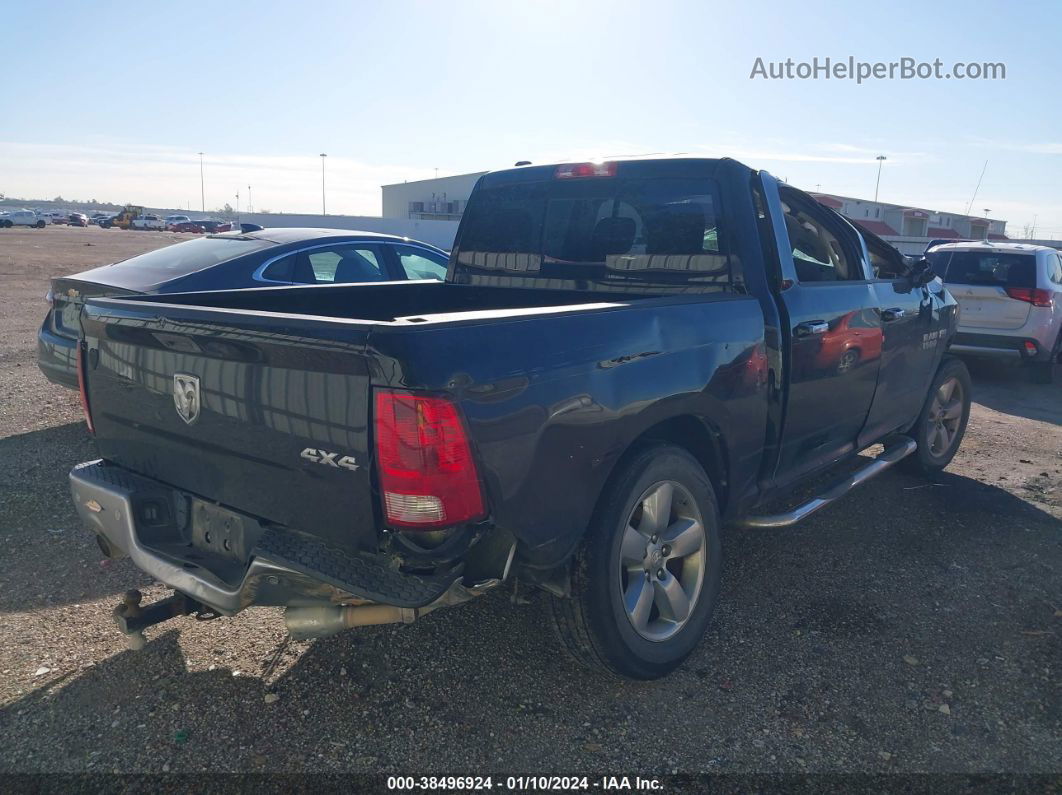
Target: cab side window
[822, 251]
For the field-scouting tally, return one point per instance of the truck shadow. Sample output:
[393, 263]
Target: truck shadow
[49, 558]
[1007, 388]
[813, 638]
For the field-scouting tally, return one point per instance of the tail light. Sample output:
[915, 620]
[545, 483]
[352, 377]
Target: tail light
[1032, 295]
[579, 170]
[81, 386]
[427, 474]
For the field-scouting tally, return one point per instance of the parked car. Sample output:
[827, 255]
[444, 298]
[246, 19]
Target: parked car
[97, 219]
[270, 257]
[55, 217]
[203, 226]
[601, 382]
[24, 218]
[77, 219]
[148, 221]
[1010, 300]
[173, 220]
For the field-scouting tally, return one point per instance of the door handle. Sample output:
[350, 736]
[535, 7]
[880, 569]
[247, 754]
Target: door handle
[809, 327]
[895, 313]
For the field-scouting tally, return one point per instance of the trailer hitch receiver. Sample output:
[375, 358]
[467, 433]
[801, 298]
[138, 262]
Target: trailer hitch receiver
[133, 618]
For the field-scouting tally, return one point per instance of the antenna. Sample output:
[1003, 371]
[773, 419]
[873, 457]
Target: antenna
[972, 198]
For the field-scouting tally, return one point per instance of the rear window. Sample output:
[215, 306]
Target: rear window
[597, 227]
[194, 255]
[985, 267]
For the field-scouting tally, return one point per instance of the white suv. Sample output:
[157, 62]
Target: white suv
[24, 218]
[1010, 301]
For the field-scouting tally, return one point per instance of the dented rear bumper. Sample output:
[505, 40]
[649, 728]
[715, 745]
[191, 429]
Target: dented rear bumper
[228, 560]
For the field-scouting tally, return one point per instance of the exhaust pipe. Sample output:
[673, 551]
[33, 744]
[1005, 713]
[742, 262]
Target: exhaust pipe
[107, 548]
[304, 623]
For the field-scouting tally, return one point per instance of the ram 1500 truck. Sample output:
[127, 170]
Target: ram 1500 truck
[625, 356]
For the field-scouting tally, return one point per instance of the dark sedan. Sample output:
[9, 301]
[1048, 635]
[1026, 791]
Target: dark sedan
[230, 261]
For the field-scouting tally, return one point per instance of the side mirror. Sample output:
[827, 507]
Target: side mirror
[922, 273]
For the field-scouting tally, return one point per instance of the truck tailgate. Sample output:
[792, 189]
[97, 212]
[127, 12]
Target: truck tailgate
[266, 417]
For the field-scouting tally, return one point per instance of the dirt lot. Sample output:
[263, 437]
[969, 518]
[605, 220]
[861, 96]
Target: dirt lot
[913, 627]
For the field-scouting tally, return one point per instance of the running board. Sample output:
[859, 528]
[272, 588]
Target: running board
[892, 454]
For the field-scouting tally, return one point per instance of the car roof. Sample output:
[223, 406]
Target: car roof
[297, 234]
[988, 245]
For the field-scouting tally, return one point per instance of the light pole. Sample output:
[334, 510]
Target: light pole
[881, 159]
[202, 192]
[250, 204]
[237, 208]
[323, 210]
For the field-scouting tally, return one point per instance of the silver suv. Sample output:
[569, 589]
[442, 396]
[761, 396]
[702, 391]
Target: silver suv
[1010, 301]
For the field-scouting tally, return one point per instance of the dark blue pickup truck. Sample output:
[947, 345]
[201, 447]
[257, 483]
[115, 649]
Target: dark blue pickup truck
[624, 357]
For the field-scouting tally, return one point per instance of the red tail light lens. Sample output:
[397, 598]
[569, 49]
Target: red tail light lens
[81, 388]
[579, 170]
[1032, 295]
[427, 474]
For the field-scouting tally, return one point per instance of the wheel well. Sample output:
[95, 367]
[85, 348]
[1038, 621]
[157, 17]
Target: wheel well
[700, 440]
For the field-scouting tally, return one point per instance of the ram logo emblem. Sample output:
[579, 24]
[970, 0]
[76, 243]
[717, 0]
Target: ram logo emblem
[329, 459]
[186, 396]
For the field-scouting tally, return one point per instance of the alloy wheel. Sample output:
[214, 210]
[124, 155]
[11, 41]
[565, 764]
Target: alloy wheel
[662, 561]
[945, 417]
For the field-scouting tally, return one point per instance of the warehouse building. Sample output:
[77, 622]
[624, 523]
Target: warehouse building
[438, 199]
[895, 222]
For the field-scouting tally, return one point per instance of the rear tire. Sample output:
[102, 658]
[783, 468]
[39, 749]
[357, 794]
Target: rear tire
[941, 425]
[848, 360]
[1047, 372]
[646, 578]
[40, 224]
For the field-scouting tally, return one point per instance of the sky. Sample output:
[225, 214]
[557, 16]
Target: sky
[110, 101]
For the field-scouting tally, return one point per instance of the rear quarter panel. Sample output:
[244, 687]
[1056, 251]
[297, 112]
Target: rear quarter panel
[553, 402]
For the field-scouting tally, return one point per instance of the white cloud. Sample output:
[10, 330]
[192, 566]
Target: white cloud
[159, 176]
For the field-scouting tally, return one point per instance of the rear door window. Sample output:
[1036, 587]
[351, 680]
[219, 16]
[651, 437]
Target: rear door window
[418, 263]
[990, 268]
[337, 264]
[822, 251]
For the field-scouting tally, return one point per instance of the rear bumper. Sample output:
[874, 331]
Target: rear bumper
[57, 357]
[155, 525]
[1000, 346]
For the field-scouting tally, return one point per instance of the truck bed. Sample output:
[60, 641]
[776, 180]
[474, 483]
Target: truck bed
[283, 371]
[399, 302]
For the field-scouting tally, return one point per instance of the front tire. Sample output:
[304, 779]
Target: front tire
[646, 578]
[40, 224]
[941, 426]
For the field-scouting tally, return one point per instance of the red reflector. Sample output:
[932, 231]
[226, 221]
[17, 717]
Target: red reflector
[1034, 296]
[1030, 348]
[427, 474]
[578, 170]
[81, 388]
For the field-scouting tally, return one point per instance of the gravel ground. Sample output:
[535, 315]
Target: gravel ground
[914, 627]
